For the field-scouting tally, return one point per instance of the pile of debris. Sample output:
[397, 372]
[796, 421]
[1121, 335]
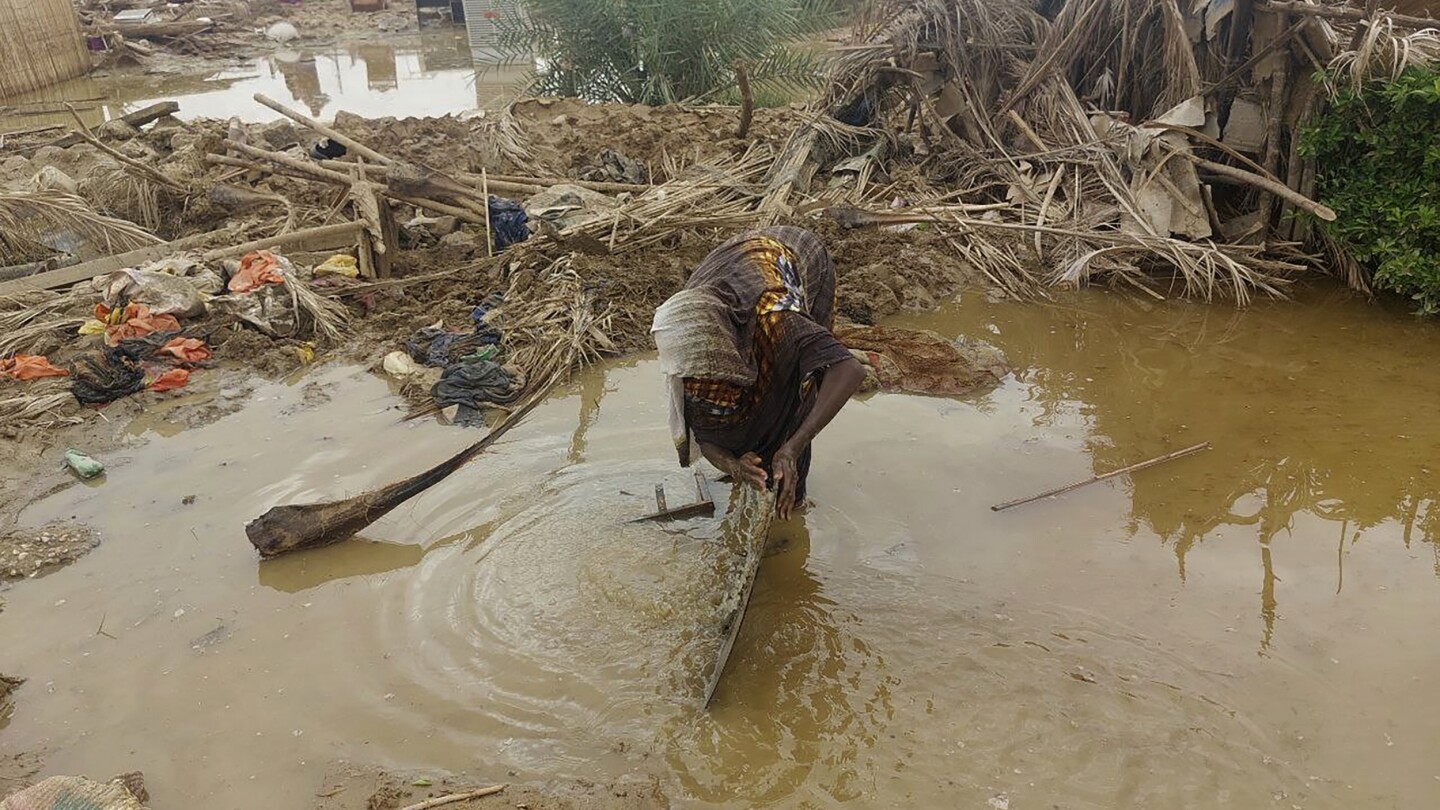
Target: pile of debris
[481, 259]
[1061, 142]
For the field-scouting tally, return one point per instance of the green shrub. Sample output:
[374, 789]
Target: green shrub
[1377, 157]
[666, 51]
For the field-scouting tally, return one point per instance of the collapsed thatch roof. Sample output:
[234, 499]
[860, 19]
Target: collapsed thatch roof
[1118, 139]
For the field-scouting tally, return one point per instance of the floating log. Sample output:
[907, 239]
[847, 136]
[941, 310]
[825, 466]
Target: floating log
[294, 527]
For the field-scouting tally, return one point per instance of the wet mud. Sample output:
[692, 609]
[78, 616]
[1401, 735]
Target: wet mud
[1241, 628]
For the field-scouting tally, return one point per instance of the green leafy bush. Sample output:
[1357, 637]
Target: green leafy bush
[1377, 156]
[666, 51]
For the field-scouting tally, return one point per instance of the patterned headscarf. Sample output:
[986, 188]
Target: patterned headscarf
[697, 337]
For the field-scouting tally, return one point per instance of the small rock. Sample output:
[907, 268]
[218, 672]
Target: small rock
[461, 239]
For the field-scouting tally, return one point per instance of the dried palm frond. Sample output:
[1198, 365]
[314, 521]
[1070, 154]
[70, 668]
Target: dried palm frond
[38, 217]
[500, 137]
[124, 194]
[41, 403]
[550, 324]
[326, 316]
[27, 318]
[1383, 54]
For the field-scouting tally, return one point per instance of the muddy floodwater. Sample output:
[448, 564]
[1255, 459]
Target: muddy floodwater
[424, 74]
[1250, 627]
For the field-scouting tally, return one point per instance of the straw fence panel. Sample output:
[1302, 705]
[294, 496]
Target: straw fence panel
[40, 45]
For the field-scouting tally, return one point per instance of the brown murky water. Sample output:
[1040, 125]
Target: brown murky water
[431, 73]
[1252, 627]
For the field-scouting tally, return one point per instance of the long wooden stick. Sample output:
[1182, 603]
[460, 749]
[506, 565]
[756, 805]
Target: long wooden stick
[455, 797]
[319, 238]
[1261, 182]
[329, 132]
[1348, 13]
[1000, 507]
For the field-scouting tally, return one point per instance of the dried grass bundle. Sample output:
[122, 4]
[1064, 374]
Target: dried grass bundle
[41, 403]
[28, 318]
[35, 217]
[1383, 54]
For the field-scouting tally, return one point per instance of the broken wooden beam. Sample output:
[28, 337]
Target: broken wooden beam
[65, 276]
[137, 119]
[329, 132]
[324, 237]
[164, 30]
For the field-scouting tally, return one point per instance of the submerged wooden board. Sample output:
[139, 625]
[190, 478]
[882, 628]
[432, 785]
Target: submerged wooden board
[746, 529]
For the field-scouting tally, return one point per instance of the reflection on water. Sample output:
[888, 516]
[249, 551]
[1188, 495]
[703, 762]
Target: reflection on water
[1324, 411]
[1243, 628]
[428, 74]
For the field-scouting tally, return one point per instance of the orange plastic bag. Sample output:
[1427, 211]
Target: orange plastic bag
[187, 350]
[257, 268]
[170, 380]
[26, 367]
[135, 321]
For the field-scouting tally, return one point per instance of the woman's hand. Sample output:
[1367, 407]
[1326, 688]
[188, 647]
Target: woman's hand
[748, 469]
[786, 480]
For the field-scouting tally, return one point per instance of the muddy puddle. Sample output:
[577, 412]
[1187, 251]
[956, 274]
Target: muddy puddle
[1246, 628]
[427, 74]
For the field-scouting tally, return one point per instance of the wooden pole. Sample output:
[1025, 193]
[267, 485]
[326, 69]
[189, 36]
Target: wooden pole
[329, 132]
[1349, 14]
[1000, 507]
[1263, 183]
[455, 797]
[489, 234]
[747, 100]
[321, 238]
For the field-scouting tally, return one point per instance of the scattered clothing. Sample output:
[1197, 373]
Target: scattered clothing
[105, 375]
[338, 265]
[741, 346]
[134, 321]
[474, 383]
[509, 224]
[257, 269]
[326, 149]
[186, 350]
[434, 346]
[26, 367]
[489, 335]
[170, 380]
[83, 465]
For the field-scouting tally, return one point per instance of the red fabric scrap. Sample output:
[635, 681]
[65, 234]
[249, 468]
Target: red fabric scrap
[170, 380]
[26, 367]
[136, 321]
[257, 268]
[186, 350]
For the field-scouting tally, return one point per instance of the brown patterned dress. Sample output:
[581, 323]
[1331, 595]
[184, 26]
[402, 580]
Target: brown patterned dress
[780, 286]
